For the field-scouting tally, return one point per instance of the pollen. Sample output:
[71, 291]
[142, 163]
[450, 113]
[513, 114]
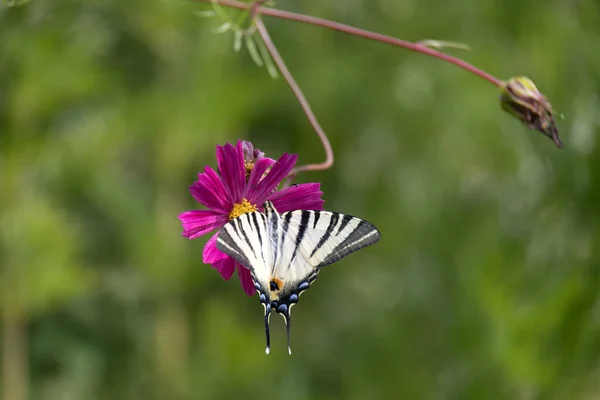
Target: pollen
[249, 167]
[242, 208]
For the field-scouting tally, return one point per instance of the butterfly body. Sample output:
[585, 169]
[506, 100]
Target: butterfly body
[285, 252]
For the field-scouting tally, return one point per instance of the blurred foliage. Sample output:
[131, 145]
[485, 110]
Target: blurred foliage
[485, 284]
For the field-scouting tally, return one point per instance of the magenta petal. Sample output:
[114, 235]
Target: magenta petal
[233, 171]
[278, 172]
[306, 196]
[225, 267]
[210, 254]
[205, 196]
[198, 222]
[257, 172]
[212, 181]
[246, 280]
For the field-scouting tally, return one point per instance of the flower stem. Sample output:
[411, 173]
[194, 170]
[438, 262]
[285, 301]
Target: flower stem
[264, 34]
[418, 47]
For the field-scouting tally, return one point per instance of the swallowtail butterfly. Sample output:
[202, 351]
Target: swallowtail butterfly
[285, 252]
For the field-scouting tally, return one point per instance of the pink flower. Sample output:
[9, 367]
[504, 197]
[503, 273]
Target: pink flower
[246, 179]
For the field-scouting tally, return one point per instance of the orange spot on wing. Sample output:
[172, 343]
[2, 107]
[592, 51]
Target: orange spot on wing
[278, 282]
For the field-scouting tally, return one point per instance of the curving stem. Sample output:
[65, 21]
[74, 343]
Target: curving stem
[264, 34]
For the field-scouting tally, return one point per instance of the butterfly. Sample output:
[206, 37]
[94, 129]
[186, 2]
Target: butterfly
[285, 252]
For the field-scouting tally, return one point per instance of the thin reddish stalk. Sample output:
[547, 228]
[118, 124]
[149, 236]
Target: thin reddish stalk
[420, 48]
[264, 34]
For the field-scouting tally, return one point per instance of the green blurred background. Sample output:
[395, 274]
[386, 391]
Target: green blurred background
[485, 284]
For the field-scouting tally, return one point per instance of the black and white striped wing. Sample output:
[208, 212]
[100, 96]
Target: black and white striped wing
[293, 246]
[311, 240]
[249, 241]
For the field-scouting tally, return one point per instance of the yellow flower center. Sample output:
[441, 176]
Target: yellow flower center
[243, 208]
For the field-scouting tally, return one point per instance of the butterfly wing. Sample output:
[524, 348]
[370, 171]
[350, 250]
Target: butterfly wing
[309, 241]
[248, 240]
[314, 239]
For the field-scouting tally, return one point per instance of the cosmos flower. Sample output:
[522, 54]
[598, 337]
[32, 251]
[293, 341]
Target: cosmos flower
[244, 181]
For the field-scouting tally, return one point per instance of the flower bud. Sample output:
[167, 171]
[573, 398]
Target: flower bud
[251, 156]
[524, 101]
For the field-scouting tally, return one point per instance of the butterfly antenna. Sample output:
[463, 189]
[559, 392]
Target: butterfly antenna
[267, 315]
